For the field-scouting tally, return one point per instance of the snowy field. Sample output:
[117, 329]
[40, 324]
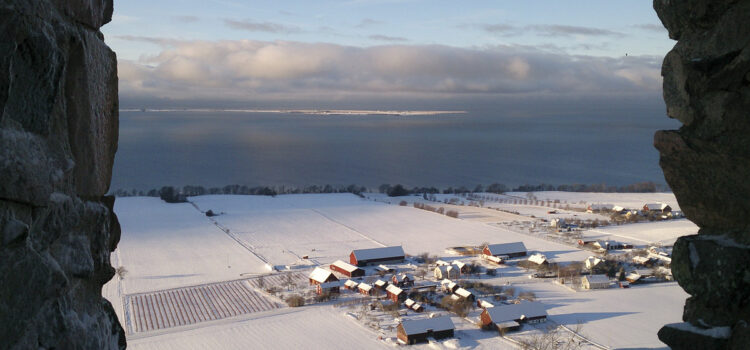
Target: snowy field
[176, 247]
[658, 232]
[328, 227]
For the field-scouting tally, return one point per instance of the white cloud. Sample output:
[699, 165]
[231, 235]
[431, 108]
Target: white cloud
[293, 70]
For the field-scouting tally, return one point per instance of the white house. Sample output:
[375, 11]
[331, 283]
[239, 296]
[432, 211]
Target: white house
[595, 282]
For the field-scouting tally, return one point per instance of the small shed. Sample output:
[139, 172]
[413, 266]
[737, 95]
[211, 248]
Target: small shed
[395, 294]
[633, 277]
[539, 259]
[595, 282]
[494, 259]
[403, 280]
[320, 275]
[591, 262]
[380, 284]
[449, 286]
[446, 271]
[351, 285]
[514, 249]
[365, 289]
[464, 294]
[363, 257]
[347, 269]
[418, 331]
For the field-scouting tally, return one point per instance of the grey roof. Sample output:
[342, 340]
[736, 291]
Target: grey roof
[436, 324]
[506, 248]
[379, 253]
[512, 312]
[597, 278]
[345, 266]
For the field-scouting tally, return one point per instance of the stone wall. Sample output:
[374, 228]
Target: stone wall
[707, 164]
[58, 137]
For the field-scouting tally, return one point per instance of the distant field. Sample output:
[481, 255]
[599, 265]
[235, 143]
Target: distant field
[660, 232]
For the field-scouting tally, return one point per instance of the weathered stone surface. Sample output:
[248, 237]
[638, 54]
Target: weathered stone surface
[58, 137]
[707, 164]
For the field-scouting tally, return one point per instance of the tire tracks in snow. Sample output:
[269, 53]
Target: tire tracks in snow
[349, 227]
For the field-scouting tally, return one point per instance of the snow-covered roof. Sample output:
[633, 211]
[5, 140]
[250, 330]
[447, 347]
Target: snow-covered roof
[445, 281]
[409, 302]
[379, 253]
[512, 312]
[597, 278]
[350, 283]
[380, 283]
[320, 275]
[592, 261]
[393, 289]
[384, 268]
[462, 292]
[436, 324]
[538, 259]
[485, 304]
[345, 266]
[365, 287]
[459, 263]
[656, 206]
[416, 306]
[403, 277]
[506, 248]
[507, 324]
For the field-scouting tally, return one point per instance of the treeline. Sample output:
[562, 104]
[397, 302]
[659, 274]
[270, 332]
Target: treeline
[640, 187]
[176, 194]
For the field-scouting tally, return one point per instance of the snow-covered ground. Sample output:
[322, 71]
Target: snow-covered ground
[658, 232]
[625, 200]
[166, 246]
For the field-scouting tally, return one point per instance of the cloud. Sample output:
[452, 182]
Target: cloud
[367, 22]
[556, 30]
[238, 70]
[652, 27]
[186, 19]
[253, 26]
[387, 38]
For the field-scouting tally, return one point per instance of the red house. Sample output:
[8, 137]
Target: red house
[395, 294]
[347, 269]
[319, 276]
[364, 257]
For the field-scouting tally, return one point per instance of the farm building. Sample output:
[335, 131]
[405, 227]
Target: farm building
[385, 269]
[509, 249]
[464, 294]
[611, 245]
[591, 262]
[657, 207]
[538, 259]
[365, 289]
[320, 275]
[462, 266]
[363, 257]
[446, 272]
[350, 285]
[395, 294]
[510, 317]
[328, 288]
[347, 269]
[449, 286]
[595, 282]
[411, 304]
[418, 331]
[381, 284]
[495, 259]
[403, 280]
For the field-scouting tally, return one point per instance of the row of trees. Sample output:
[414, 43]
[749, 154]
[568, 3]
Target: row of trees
[640, 187]
[177, 193]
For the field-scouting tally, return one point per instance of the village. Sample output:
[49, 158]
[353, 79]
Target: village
[493, 276]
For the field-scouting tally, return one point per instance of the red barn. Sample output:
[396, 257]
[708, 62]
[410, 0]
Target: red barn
[363, 257]
[347, 269]
[418, 331]
[511, 250]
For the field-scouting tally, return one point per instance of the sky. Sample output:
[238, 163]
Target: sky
[420, 53]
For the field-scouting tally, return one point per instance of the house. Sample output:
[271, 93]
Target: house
[347, 269]
[464, 294]
[395, 294]
[657, 207]
[403, 280]
[595, 282]
[462, 266]
[381, 284]
[642, 260]
[538, 259]
[363, 257]
[591, 262]
[328, 288]
[449, 286]
[510, 317]
[512, 250]
[351, 285]
[418, 331]
[411, 304]
[365, 289]
[446, 272]
[320, 275]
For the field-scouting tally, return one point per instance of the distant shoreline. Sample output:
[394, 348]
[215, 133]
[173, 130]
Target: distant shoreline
[354, 112]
